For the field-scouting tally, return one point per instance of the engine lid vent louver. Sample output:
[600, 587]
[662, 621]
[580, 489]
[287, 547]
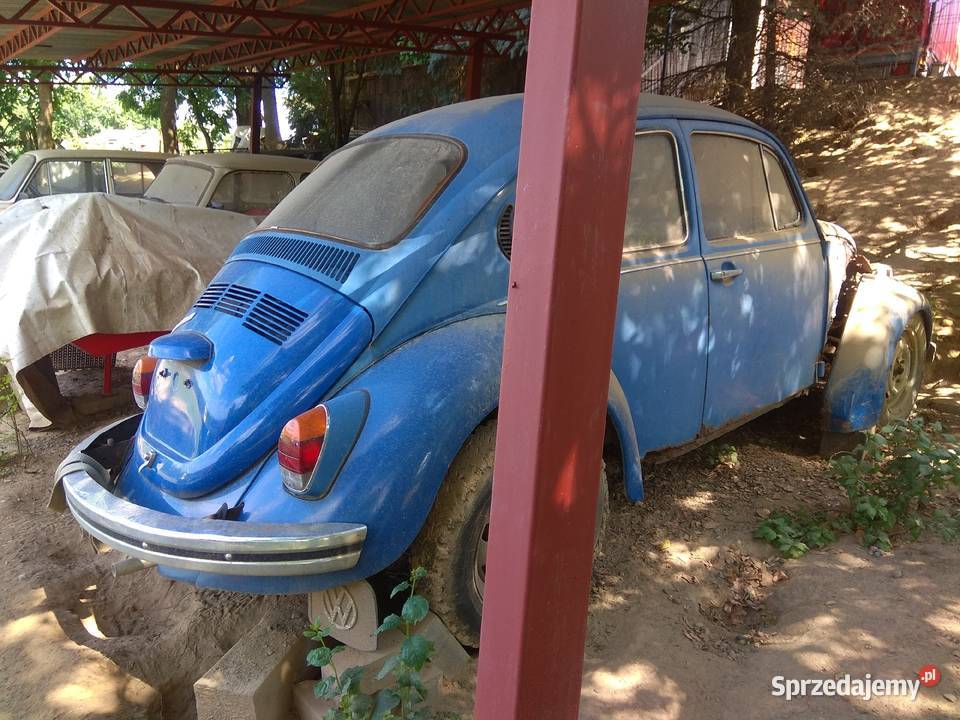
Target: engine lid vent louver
[331, 260]
[505, 231]
[264, 314]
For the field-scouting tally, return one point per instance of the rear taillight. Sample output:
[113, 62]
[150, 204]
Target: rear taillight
[142, 377]
[301, 443]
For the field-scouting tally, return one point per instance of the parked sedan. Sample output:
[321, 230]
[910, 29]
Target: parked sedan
[238, 182]
[328, 406]
[41, 173]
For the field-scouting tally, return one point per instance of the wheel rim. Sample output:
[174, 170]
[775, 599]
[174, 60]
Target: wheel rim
[480, 556]
[903, 383]
[483, 541]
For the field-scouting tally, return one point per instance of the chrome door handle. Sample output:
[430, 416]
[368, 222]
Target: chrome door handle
[724, 275]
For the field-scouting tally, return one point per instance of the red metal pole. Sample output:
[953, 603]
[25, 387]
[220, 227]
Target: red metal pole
[474, 89]
[256, 114]
[583, 84]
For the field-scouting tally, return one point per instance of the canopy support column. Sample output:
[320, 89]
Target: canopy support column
[583, 84]
[256, 113]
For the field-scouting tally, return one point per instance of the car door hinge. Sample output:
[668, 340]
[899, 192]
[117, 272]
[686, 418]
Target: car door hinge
[821, 370]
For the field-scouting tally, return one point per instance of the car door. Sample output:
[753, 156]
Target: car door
[660, 345]
[766, 270]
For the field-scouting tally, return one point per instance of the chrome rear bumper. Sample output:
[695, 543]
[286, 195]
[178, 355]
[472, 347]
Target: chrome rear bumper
[222, 547]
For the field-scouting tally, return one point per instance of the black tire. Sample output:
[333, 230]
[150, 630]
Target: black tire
[906, 372]
[450, 544]
[904, 381]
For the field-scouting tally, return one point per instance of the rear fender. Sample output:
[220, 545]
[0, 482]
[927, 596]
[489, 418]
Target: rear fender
[879, 312]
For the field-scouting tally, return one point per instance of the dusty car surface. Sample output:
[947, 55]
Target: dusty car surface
[327, 408]
[109, 272]
[238, 182]
[42, 173]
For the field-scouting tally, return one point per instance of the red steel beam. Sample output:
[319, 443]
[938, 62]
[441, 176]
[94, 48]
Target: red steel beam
[223, 22]
[498, 23]
[139, 44]
[290, 59]
[79, 73]
[19, 41]
[582, 87]
[395, 11]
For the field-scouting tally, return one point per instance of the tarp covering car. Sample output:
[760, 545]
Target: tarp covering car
[93, 263]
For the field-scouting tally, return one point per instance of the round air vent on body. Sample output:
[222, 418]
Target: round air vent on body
[505, 231]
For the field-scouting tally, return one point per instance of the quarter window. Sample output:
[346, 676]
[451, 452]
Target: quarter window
[786, 212]
[655, 216]
[733, 189]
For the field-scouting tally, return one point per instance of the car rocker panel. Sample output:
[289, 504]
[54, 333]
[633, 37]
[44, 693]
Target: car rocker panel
[301, 419]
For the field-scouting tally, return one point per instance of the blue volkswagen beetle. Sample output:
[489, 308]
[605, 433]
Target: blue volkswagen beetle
[327, 409]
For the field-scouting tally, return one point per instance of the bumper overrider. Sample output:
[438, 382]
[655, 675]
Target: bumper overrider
[222, 547]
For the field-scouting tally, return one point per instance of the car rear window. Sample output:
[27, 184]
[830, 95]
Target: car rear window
[250, 192]
[132, 178]
[655, 216]
[733, 189]
[372, 192]
[180, 183]
[13, 178]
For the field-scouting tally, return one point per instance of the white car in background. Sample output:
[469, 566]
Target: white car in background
[100, 273]
[42, 173]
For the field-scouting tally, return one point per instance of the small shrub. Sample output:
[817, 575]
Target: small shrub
[794, 534]
[8, 409]
[891, 481]
[405, 694]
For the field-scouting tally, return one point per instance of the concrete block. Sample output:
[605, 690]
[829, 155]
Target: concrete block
[307, 705]
[254, 680]
[350, 611]
[450, 660]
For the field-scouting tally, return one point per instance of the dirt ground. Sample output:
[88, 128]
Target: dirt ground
[690, 617]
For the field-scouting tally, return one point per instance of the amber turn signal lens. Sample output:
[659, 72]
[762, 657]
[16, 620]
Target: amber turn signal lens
[301, 443]
[142, 378]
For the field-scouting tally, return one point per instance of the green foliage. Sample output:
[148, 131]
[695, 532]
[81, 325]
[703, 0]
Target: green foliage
[8, 410]
[794, 534]
[891, 482]
[208, 122]
[723, 455]
[403, 697]
[891, 479]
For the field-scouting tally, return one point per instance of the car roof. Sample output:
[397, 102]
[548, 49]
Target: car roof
[490, 127]
[246, 161]
[96, 154]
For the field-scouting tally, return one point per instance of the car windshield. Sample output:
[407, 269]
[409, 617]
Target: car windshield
[371, 193]
[13, 178]
[180, 183]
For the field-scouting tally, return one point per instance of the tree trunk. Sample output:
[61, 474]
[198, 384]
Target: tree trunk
[271, 120]
[743, 40]
[45, 120]
[771, 25]
[242, 105]
[343, 108]
[168, 119]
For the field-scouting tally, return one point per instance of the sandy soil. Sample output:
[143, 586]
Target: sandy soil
[689, 616]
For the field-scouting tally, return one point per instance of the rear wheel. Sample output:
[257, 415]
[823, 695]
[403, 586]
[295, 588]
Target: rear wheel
[453, 543]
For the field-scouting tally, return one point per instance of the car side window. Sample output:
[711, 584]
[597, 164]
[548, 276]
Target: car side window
[786, 212]
[655, 213]
[56, 177]
[131, 178]
[253, 193]
[734, 200]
